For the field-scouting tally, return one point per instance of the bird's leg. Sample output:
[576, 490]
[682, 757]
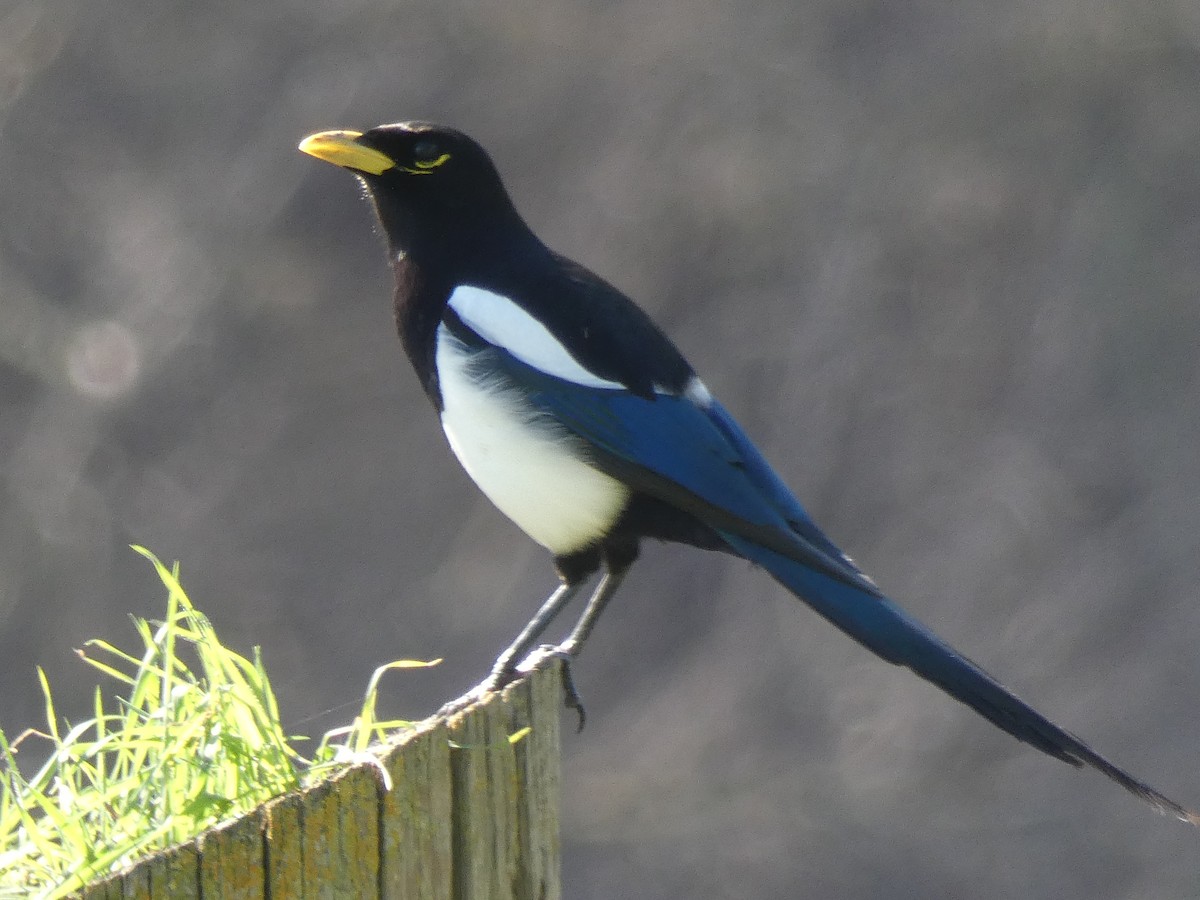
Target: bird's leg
[612, 579]
[505, 668]
[573, 644]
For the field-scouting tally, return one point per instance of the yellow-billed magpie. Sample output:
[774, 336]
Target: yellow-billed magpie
[585, 425]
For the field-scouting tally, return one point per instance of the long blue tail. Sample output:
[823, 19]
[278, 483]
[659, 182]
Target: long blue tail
[883, 627]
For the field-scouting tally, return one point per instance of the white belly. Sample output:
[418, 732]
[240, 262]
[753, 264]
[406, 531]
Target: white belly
[525, 463]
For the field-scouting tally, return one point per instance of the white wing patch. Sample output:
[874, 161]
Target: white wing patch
[696, 391]
[503, 323]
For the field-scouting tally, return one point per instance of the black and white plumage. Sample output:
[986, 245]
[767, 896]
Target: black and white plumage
[585, 425]
[532, 468]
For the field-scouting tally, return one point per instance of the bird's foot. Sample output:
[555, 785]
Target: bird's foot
[502, 676]
[497, 680]
[470, 698]
[566, 652]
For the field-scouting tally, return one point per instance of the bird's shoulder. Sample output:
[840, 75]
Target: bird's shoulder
[593, 322]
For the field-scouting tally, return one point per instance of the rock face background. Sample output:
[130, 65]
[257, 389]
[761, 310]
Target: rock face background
[941, 260]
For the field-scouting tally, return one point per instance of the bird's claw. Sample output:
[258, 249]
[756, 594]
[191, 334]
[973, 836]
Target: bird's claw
[565, 652]
[500, 678]
[470, 698]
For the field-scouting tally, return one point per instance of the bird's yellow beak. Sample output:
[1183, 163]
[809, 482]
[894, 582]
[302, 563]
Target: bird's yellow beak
[343, 149]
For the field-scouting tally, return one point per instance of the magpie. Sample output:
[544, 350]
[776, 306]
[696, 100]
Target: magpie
[583, 423]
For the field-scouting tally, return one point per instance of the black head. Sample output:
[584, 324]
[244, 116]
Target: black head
[430, 184]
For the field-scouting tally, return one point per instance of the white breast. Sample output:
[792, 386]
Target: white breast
[525, 463]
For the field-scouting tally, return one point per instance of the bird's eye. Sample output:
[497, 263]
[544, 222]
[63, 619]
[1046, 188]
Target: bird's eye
[427, 155]
[425, 151]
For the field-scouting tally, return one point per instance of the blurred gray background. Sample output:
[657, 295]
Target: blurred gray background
[940, 259]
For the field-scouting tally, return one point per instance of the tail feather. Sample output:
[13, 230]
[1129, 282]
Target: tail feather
[886, 629]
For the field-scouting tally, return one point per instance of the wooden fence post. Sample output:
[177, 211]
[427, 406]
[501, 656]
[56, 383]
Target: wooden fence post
[472, 815]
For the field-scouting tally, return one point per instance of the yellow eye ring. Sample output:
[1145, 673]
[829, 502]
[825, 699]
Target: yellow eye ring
[427, 164]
